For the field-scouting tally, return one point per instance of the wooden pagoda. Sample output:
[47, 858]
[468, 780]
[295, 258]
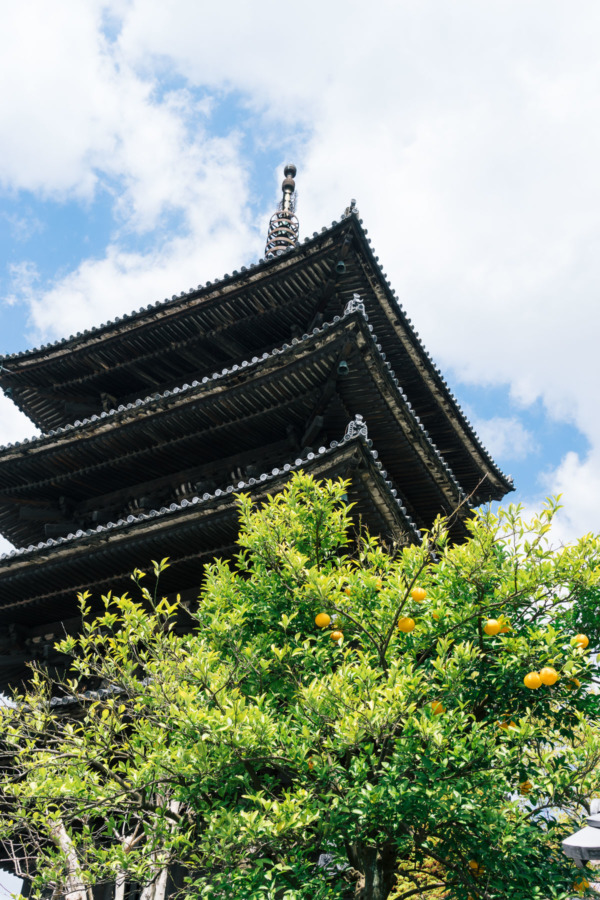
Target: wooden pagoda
[153, 422]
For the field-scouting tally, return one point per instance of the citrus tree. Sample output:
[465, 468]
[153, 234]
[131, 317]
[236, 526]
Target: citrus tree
[335, 719]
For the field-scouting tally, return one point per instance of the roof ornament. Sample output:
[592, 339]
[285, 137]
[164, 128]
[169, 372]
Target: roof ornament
[355, 305]
[357, 427]
[284, 227]
[351, 210]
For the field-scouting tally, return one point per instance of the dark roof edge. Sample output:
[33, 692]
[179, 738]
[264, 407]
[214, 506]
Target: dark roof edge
[434, 370]
[355, 308]
[356, 431]
[192, 293]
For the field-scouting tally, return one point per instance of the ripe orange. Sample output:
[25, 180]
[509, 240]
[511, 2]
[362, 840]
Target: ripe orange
[406, 624]
[582, 640]
[437, 707]
[525, 787]
[311, 764]
[322, 620]
[418, 594]
[437, 614]
[549, 675]
[348, 590]
[532, 681]
[477, 869]
[336, 635]
[492, 627]
[573, 684]
[505, 629]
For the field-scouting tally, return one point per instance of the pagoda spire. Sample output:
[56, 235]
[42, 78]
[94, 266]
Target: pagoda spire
[283, 227]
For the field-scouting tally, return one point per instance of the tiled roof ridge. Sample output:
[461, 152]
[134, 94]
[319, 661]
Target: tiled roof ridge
[158, 304]
[353, 307]
[434, 368]
[356, 431]
[162, 395]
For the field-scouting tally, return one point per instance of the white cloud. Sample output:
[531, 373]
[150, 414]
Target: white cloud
[22, 228]
[14, 426]
[23, 278]
[107, 128]
[505, 437]
[56, 95]
[577, 480]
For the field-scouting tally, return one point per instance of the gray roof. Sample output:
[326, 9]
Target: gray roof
[357, 430]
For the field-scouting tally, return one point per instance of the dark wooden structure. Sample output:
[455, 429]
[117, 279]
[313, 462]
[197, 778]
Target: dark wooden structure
[151, 423]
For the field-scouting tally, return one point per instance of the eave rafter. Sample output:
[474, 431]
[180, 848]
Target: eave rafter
[302, 375]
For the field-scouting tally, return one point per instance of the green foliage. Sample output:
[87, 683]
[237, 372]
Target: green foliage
[241, 742]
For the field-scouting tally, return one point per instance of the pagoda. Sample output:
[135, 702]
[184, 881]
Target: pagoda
[152, 423]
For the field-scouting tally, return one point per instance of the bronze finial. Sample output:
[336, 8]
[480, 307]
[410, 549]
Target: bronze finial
[283, 227]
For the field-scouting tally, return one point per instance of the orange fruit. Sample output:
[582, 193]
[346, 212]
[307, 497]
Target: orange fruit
[477, 869]
[573, 684]
[581, 885]
[532, 681]
[525, 787]
[418, 594]
[436, 614]
[336, 635]
[406, 624]
[437, 707]
[582, 640]
[549, 675]
[311, 764]
[492, 627]
[348, 590]
[322, 620]
[505, 629]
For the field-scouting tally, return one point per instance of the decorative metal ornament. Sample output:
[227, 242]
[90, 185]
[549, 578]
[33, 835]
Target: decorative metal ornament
[284, 227]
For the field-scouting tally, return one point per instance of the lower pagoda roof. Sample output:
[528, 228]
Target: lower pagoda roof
[293, 396]
[248, 312]
[163, 445]
[39, 583]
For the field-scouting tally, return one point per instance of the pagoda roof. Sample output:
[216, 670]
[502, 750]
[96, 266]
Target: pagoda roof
[38, 584]
[245, 313]
[246, 407]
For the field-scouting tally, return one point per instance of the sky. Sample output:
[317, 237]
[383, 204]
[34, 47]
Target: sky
[142, 153]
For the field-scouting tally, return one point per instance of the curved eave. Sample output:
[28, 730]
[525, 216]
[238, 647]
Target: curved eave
[269, 394]
[298, 273]
[398, 337]
[263, 292]
[37, 576]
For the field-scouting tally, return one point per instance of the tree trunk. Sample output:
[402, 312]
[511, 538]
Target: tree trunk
[157, 887]
[75, 888]
[120, 887]
[377, 868]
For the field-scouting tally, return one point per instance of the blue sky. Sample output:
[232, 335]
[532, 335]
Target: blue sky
[142, 152]
[142, 148]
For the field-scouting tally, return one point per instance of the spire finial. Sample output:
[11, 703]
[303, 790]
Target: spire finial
[283, 227]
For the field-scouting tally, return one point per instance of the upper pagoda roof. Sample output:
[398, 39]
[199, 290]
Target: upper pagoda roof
[236, 319]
